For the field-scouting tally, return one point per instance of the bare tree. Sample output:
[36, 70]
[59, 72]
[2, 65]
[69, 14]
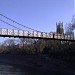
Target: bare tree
[70, 26]
[9, 42]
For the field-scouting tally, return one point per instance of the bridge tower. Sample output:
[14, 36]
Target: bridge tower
[59, 28]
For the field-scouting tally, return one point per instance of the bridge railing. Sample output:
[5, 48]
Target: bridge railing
[13, 32]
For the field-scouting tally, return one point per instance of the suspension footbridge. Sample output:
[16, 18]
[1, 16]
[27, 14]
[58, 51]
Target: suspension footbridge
[30, 33]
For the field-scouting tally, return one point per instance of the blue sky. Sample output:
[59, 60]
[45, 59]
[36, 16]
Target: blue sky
[41, 15]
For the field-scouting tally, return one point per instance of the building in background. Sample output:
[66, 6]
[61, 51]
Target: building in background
[59, 28]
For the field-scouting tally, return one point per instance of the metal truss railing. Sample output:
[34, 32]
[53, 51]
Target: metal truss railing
[33, 34]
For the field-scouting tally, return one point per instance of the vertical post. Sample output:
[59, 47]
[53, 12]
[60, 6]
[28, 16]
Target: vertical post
[60, 36]
[73, 36]
[18, 32]
[28, 33]
[46, 35]
[0, 31]
[67, 36]
[70, 36]
[13, 32]
[37, 34]
[41, 34]
[23, 32]
[57, 36]
[33, 34]
[53, 35]
[63, 36]
[7, 32]
[49, 35]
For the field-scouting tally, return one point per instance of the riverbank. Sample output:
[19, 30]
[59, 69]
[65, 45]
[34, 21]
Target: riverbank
[39, 63]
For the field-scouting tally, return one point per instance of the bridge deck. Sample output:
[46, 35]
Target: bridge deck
[37, 35]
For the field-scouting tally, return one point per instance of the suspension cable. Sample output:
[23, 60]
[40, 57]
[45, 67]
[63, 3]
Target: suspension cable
[10, 24]
[20, 24]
